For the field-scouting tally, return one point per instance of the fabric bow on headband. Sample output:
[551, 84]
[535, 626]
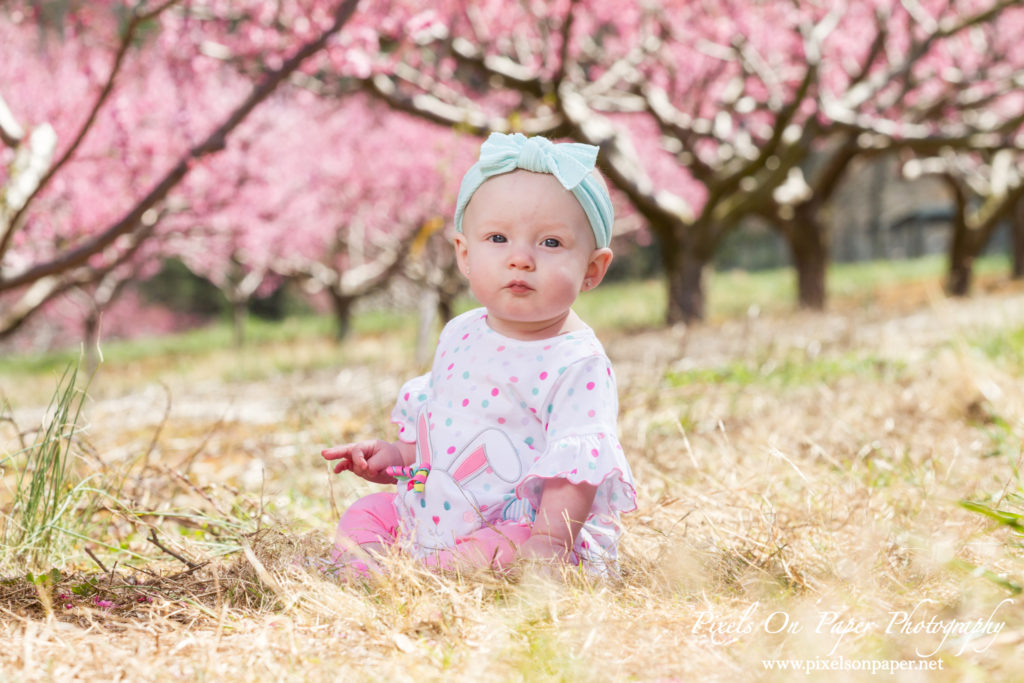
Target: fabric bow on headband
[571, 163]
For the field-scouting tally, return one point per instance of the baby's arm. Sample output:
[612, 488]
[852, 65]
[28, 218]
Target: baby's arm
[369, 459]
[564, 507]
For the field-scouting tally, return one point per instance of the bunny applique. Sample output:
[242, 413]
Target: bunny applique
[448, 496]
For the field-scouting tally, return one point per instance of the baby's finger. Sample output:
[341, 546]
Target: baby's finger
[335, 452]
[342, 466]
[358, 460]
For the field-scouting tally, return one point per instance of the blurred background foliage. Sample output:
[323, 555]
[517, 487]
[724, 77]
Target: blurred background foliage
[168, 164]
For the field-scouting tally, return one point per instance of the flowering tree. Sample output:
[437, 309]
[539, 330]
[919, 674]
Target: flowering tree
[1017, 236]
[708, 114]
[197, 141]
[970, 133]
[84, 191]
[900, 90]
[345, 226]
[987, 189]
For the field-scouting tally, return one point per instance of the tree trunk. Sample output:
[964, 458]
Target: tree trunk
[684, 272]
[342, 305]
[879, 174]
[808, 248]
[1017, 240]
[239, 313]
[92, 341]
[445, 307]
[962, 246]
[961, 261]
[685, 276]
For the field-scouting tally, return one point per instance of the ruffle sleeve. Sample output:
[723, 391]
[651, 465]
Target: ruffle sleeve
[411, 397]
[595, 459]
[583, 445]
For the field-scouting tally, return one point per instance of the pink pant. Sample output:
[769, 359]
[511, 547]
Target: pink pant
[373, 519]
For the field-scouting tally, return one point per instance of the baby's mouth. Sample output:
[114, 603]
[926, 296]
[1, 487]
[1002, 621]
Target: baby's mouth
[518, 287]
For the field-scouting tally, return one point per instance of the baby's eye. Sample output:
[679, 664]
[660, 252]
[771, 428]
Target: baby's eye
[551, 242]
[497, 239]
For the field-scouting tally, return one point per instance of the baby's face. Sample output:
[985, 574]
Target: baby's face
[528, 251]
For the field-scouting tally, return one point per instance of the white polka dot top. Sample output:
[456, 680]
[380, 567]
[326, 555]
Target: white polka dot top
[495, 418]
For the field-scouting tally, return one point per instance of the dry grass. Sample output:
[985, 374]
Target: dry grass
[799, 469]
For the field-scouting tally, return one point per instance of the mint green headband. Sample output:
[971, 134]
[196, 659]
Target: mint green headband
[571, 163]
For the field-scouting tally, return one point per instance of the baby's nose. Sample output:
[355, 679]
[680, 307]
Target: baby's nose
[520, 258]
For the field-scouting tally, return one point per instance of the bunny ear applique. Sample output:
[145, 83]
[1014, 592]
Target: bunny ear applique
[423, 450]
[492, 452]
[415, 476]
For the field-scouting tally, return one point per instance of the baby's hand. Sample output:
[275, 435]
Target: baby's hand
[367, 459]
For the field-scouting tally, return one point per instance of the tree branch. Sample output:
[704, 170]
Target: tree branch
[215, 142]
[152, 538]
[877, 47]
[432, 108]
[678, 126]
[729, 183]
[511, 73]
[566, 36]
[122, 50]
[47, 288]
[870, 87]
[11, 132]
[921, 140]
[826, 181]
[620, 163]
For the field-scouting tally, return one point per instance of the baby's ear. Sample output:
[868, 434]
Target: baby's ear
[491, 452]
[600, 259]
[461, 252]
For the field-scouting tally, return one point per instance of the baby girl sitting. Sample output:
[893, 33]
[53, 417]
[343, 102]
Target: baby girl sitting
[508, 447]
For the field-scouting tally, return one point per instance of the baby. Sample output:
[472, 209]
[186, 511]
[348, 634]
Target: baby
[508, 447]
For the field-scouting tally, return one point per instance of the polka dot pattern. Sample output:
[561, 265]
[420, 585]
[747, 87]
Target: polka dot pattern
[556, 401]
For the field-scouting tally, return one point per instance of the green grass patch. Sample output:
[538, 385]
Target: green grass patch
[1008, 514]
[1005, 347]
[622, 306]
[733, 293]
[44, 493]
[217, 337]
[791, 371]
[861, 279]
[848, 279]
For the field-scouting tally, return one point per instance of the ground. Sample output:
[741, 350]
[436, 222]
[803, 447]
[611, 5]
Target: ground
[800, 480]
